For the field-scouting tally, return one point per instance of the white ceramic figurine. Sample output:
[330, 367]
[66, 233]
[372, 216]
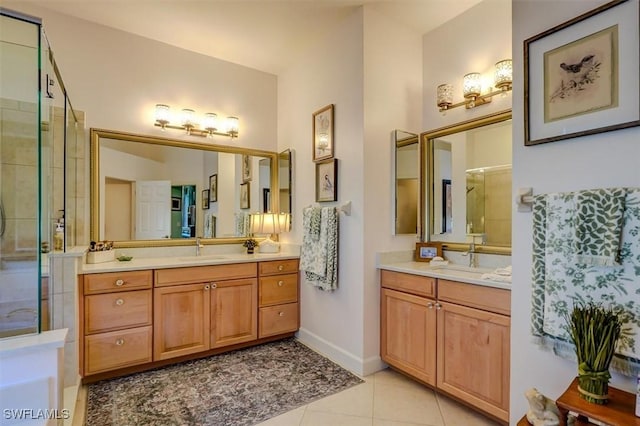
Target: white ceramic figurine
[542, 410]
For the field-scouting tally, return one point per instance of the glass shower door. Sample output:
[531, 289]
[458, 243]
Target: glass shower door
[19, 175]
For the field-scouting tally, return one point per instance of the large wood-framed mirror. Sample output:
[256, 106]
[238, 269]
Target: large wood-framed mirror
[466, 184]
[149, 191]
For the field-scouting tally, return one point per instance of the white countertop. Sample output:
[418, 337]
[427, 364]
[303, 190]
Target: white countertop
[138, 263]
[451, 272]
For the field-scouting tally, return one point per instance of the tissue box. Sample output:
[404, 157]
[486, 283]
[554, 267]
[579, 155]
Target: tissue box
[101, 256]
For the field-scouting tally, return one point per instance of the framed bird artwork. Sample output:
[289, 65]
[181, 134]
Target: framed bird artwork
[581, 77]
[327, 180]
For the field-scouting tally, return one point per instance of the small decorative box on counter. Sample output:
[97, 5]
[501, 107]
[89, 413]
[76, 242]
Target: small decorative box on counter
[101, 256]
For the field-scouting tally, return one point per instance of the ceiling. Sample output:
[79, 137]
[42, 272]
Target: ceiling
[260, 34]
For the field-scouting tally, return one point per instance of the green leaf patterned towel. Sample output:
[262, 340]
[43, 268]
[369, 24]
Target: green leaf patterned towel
[558, 281]
[599, 226]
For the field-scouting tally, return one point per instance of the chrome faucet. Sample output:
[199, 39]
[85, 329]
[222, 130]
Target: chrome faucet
[199, 245]
[473, 261]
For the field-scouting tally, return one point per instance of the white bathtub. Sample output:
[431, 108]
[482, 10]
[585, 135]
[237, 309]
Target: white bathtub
[18, 298]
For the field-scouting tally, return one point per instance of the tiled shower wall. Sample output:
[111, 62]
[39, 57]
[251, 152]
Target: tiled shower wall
[18, 163]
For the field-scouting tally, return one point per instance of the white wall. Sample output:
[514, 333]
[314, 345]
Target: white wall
[116, 78]
[331, 322]
[374, 81]
[597, 161]
[392, 100]
[472, 42]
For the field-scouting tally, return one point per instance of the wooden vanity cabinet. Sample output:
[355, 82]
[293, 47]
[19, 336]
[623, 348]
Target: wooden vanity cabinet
[234, 307]
[197, 309]
[181, 320]
[116, 321]
[408, 324]
[474, 345]
[457, 342]
[136, 320]
[279, 310]
[408, 334]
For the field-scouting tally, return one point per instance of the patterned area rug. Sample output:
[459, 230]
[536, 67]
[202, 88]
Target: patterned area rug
[243, 387]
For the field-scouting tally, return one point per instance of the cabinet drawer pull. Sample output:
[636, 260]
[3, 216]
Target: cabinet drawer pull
[120, 341]
[281, 314]
[280, 283]
[280, 267]
[207, 287]
[119, 282]
[119, 302]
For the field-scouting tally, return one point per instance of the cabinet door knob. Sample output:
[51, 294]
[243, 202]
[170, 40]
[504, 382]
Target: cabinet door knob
[119, 302]
[438, 306]
[214, 285]
[120, 341]
[281, 314]
[280, 267]
[430, 305]
[280, 283]
[207, 287]
[120, 282]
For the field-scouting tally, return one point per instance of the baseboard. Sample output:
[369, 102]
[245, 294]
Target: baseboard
[355, 364]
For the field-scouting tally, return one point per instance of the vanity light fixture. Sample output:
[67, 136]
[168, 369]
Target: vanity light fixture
[472, 88]
[189, 122]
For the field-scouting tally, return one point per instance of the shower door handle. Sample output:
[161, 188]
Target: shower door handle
[3, 223]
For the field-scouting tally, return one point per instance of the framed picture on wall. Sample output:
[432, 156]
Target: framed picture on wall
[245, 196]
[427, 251]
[581, 77]
[447, 207]
[205, 199]
[176, 204]
[246, 168]
[213, 188]
[323, 134]
[327, 180]
[266, 200]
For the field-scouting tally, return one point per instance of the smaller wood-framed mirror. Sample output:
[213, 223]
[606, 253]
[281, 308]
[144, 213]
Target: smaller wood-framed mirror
[406, 189]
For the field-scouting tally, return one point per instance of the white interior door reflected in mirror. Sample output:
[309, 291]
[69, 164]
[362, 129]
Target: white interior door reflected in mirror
[153, 209]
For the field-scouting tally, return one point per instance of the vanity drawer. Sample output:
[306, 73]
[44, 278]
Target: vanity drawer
[278, 319]
[279, 267]
[476, 296]
[414, 284]
[278, 289]
[117, 349]
[117, 281]
[203, 274]
[111, 311]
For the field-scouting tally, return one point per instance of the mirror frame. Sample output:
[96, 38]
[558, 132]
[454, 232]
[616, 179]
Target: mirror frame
[412, 138]
[94, 170]
[287, 154]
[426, 179]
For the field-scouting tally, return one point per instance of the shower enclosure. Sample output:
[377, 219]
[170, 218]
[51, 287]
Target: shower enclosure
[39, 136]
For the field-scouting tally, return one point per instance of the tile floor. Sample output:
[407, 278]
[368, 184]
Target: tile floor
[387, 398]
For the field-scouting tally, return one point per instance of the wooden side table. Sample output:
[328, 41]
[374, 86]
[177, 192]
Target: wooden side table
[618, 412]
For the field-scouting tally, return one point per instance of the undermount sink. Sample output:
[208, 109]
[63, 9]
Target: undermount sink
[461, 271]
[202, 257]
